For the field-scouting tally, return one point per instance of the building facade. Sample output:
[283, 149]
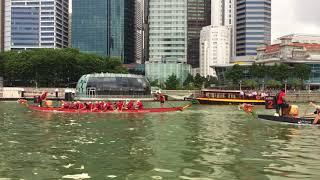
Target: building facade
[167, 39]
[222, 12]
[199, 15]
[139, 31]
[2, 5]
[36, 24]
[252, 26]
[294, 49]
[216, 40]
[104, 27]
[215, 48]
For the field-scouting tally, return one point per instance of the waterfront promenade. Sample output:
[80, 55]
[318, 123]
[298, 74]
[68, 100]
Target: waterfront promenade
[14, 93]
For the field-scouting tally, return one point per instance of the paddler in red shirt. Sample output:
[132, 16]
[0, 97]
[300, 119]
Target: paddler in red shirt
[281, 102]
[65, 105]
[130, 105]
[109, 106]
[161, 99]
[139, 105]
[120, 105]
[43, 97]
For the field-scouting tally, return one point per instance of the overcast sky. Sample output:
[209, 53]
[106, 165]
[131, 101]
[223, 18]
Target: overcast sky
[295, 16]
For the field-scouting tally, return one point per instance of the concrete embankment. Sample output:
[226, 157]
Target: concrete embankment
[14, 93]
[303, 97]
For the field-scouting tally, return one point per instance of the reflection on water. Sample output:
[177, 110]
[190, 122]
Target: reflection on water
[204, 142]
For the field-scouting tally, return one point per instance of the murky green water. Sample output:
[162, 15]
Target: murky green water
[201, 143]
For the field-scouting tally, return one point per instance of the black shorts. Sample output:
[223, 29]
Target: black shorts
[283, 105]
[161, 102]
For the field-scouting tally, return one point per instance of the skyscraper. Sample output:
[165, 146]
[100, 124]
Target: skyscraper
[167, 40]
[2, 25]
[104, 27]
[139, 31]
[222, 12]
[216, 39]
[253, 26]
[199, 15]
[36, 24]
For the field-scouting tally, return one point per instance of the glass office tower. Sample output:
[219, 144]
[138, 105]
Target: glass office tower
[167, 40]
[199, 15]
[253, 25]
[2, 5]
[36, 24]
[104, 27]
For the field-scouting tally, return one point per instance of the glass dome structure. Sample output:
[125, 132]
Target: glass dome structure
[109, 84]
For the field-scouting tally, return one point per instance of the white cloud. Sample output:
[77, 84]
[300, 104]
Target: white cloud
[295, 16]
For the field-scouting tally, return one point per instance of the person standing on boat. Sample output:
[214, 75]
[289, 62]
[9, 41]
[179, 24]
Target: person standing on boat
[43, 97]
[162, 99]
[281, 102]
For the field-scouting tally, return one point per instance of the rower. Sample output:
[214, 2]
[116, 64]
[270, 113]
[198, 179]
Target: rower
[317, 112]
[130, 105]
[139, 105]
[120, 105]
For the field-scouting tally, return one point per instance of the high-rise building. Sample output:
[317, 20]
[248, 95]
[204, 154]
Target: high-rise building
[167, 40]
[214, 48]
[222, 12]
[146, 30]
[36, 24]
[2, 5]
[199, 15]
[253, 26]
[139, 31]
[104, 27]
[216, 40]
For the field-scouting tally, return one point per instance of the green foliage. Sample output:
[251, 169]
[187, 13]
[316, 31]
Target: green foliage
[172, 82]
[236, 73]
[273, 83]
[154, 83]
[210, 80]
[295, 83]
[258, 71]
[53, 67]
[189, 80]
[251, 83]
[198, 81]
[280, 72]
[301, 71]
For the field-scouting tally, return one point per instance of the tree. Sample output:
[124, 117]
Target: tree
[235, 74]
[210, 80]
[154, 83]
[251, 83]
[295, 83]
[273, 83]
[53, 67]
[198, 81]
[172, 82]
[302, 72]
[189, 80]
[257, 71]
[280, 72]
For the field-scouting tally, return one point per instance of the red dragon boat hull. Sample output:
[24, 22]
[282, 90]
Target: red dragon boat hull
[146, 110]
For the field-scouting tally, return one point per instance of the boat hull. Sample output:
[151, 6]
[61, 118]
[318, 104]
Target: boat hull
[147, 110]
[230, 101]
[287, 119]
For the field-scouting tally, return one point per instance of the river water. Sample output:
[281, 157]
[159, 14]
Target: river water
[201, 143]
